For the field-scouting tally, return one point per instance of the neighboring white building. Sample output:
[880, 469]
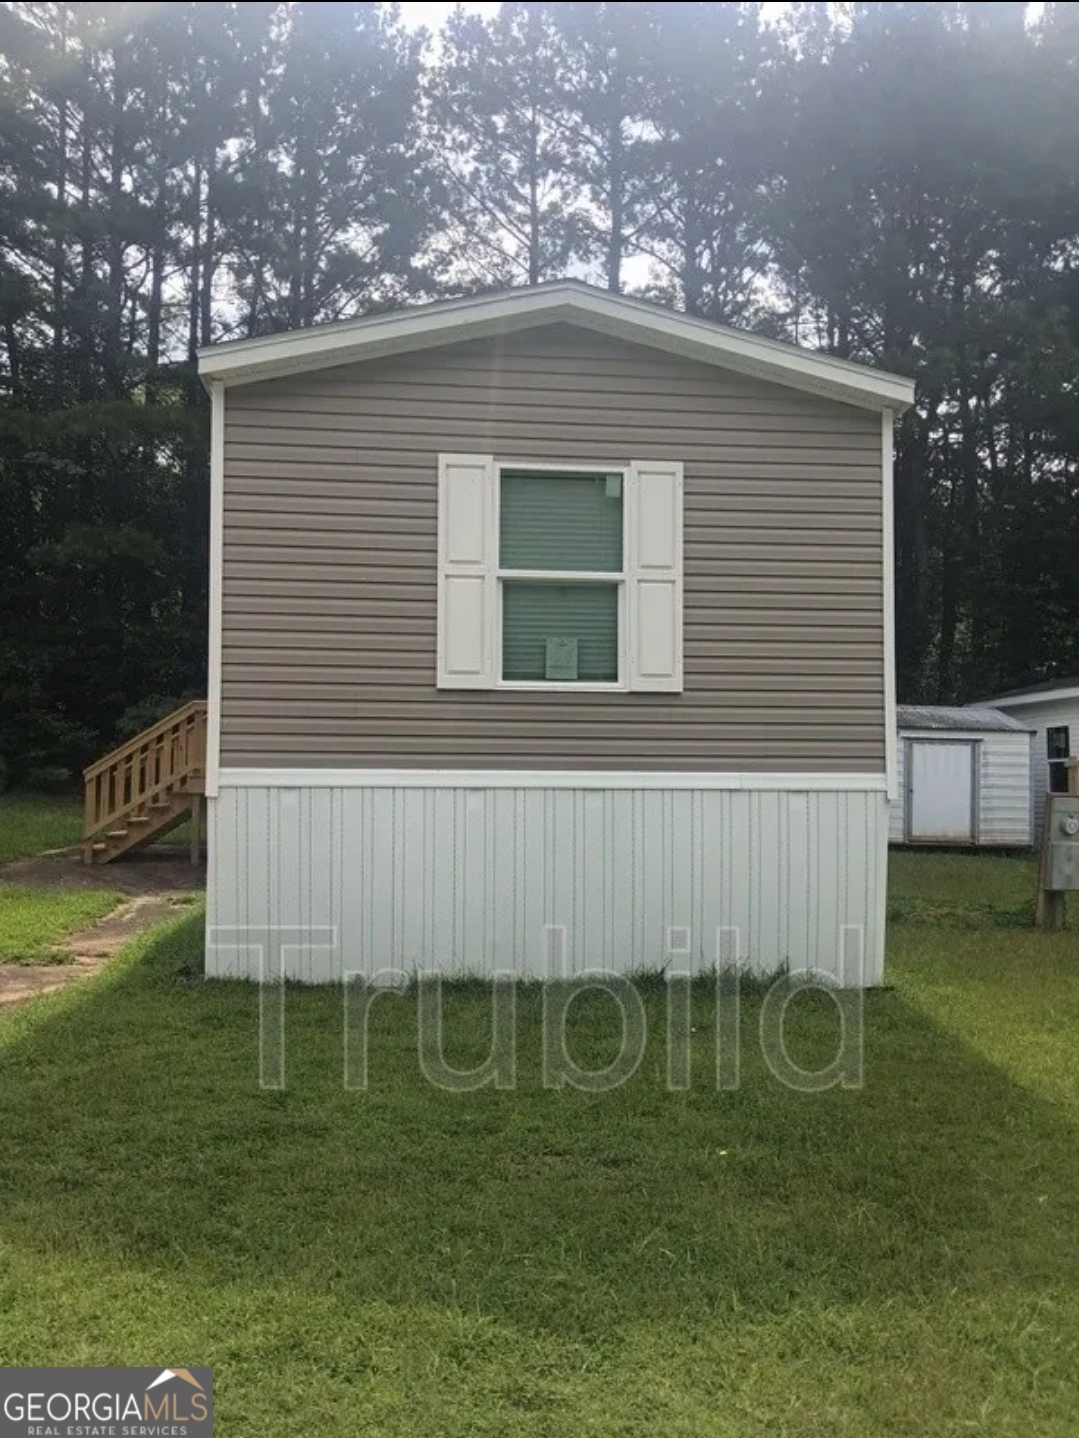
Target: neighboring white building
[1051, 710]
[964, 778]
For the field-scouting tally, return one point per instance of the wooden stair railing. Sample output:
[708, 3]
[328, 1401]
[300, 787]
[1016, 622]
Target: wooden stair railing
[147, 786]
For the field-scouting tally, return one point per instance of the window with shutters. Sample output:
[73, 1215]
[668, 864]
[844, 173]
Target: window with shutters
[559, 576]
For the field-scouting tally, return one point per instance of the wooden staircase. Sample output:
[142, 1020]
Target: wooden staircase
[146, 787]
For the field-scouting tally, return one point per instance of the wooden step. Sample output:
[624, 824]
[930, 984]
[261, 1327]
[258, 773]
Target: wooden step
[162, 774]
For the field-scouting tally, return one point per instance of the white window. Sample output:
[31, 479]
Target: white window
[559, 576]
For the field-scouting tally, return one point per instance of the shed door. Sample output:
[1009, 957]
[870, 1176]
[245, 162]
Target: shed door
[941, 783]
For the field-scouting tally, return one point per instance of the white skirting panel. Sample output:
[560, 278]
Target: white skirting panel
[474, 880]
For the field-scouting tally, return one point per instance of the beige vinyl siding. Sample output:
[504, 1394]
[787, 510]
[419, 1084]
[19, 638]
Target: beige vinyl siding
[328, 646]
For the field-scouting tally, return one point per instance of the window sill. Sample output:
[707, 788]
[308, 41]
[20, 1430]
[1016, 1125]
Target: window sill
[555, 686]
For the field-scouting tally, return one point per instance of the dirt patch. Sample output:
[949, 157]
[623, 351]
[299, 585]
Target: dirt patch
[162, 869]
[87, 948]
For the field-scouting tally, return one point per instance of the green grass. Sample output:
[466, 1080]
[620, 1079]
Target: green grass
[895, 1260]
[968, 890]
[32, 823]
[1001, 879]
[33, 921]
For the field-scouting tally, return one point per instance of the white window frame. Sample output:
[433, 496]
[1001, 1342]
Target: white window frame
[609, 577]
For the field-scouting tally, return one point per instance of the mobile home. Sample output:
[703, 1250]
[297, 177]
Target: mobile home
[551, 630]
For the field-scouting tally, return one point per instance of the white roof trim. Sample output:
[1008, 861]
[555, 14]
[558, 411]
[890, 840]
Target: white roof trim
[569, 301]
[1042, 696]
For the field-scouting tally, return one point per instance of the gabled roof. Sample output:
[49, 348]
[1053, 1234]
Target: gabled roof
[948, 717]
[562, 301]
[1066, 688]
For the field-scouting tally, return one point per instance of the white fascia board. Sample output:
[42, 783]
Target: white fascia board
[457, 321]
[975, 736]
[318, 778]
[1015, 701]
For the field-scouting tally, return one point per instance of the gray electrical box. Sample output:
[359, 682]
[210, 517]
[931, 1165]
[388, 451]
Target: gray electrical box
[1062, 836]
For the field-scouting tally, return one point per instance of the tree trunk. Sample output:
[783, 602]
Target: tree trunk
[59, 249]
[206, 288]
[535, 269]
[616, 238]
[113, 339]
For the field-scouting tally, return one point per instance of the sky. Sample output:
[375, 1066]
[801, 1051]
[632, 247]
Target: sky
[433, 12]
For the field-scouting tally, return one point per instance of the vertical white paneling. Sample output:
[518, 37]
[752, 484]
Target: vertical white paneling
[796, 909]
[736, 901]
[715, 879]
[591, 888]
[474, 956]
[465, 880]
[353, 914]
[410, 858]
[623, 890]
[533, 880]
[877, 893]
[828, 884]
[682, 862]
[260, 846]
[381, 898]
[502, 879]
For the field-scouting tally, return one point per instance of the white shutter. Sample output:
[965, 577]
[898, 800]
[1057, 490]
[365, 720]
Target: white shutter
[467, 541]
[654, 575]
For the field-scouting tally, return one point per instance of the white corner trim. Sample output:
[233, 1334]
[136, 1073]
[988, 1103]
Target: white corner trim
[317, 778]
[217, 520]
[476, 317]
[891, 741]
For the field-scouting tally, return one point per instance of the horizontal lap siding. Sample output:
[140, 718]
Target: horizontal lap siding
[328, 648]
[1005, 793]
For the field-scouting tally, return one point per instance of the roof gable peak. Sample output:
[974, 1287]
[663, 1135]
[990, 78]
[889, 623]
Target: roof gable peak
[568, 301]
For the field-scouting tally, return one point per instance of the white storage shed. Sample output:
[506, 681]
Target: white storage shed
[964, 778]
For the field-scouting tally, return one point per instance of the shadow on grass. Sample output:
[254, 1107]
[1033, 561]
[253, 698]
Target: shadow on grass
[133, 1132]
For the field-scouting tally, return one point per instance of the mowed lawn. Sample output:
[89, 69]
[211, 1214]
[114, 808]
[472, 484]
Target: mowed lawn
[34, 921]
[901, 1259]
[33, 823]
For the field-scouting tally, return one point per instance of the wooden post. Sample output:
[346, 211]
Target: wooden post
[1049, 912]
[196, 821]
[1072, 768]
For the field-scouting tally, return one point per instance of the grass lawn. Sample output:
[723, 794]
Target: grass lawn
[32, 823]
[33, 921]
[896, 1260]
[989, 883]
